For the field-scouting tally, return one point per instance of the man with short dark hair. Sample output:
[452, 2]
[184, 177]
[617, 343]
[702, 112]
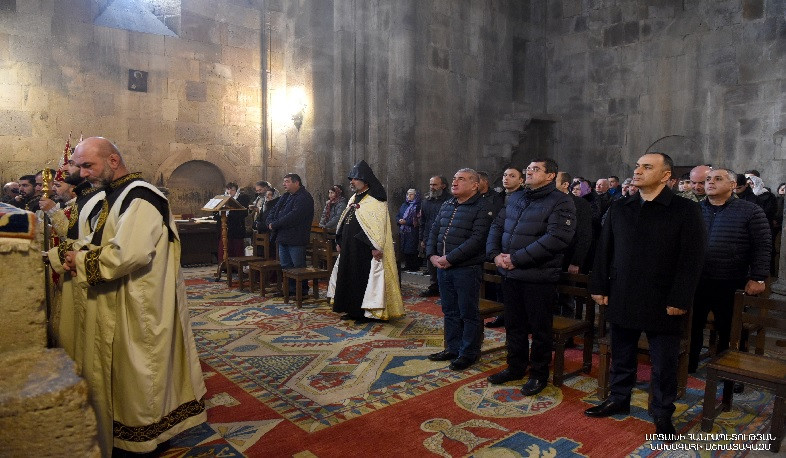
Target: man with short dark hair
[236, 224]
[494, 200]
[526, 241]
[456, 247]
[512, 181]
[614, 186]
[26, 198]
[291, 220]
[645, 273]
[429, 208]
[738, 257]
[578, 250]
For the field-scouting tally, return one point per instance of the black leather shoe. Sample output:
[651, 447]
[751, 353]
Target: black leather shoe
[505, 376]
[497, 322]
[533, 387]
[663, 425]
[608, 408]
[346, 316]
[461, 363]
[429, 293]
[443, 355]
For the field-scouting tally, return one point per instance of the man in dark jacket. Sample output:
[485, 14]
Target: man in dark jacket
[579, 247]
[456, 247]
[646, 273]
[429, 209]
[738, 257]
[526, 241]
[291, 220]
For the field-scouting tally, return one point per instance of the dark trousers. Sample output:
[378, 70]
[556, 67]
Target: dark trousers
[459, 289]
[716, 296]
[528, 311]
[432, 272]
[664, 354]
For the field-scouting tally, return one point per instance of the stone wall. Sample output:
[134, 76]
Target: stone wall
[704, 81]
[412, 87]
[59, 73]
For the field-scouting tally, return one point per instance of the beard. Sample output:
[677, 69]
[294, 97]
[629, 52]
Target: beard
[433, 194]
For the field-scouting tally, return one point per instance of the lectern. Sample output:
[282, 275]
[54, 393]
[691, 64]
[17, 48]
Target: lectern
[223, 204]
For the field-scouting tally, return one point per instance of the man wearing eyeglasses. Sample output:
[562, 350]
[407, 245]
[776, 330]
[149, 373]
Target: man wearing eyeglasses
[526, 241]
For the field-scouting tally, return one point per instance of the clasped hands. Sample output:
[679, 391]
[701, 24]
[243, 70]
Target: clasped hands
[440, 262]
[503, 261]
[70, 262]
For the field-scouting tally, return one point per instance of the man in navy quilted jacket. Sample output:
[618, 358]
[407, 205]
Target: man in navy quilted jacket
[455, 247]
[526, 241]
[738, 257]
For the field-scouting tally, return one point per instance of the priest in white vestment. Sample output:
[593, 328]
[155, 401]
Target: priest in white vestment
[139, 358]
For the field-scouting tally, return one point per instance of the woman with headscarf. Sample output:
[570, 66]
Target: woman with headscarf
[334, 206]
[407, 219]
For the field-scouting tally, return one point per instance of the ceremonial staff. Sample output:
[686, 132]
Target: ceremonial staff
[46, 176]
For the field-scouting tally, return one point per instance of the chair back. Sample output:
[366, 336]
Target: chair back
[322, 252]
[577, 287]
[261, 245]
[490, 275]
[758, 314]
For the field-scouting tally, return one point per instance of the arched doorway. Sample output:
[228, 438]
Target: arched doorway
[192, 184]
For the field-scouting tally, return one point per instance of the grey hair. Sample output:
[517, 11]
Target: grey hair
[472, 172]
[729, 172]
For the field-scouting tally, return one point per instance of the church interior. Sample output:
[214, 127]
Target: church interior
[198, 93]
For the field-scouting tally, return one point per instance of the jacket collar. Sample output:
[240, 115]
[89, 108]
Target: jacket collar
[469, 201]
[664, 197]
[541, 191]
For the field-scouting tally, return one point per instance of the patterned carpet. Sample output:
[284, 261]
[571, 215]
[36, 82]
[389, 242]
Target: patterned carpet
[289, 382]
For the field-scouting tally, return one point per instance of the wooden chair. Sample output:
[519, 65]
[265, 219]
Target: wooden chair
[322, 254]
[733, 365]
[260, 271]
[260, 242]
[489, 308]
[604, 356]
[565, 328]
[300, 275]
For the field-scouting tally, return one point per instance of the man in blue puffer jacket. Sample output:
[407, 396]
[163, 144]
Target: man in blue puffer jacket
[738, 257]
[527, 241]
[456, 248]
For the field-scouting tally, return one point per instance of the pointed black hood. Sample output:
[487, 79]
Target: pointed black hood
[362, 171]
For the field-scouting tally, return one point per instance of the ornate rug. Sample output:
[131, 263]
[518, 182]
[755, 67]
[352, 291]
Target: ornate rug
[284, 381]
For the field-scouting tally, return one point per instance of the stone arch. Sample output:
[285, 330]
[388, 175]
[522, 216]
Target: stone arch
[192, 184]
[683, 150]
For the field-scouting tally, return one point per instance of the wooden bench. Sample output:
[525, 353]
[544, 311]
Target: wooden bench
[300, 275]
[735, 365]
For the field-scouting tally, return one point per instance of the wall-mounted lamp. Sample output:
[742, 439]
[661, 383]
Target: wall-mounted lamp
[288, 105]
[297, 118]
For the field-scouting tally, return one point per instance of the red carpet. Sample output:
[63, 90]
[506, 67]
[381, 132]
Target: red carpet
[288, 382]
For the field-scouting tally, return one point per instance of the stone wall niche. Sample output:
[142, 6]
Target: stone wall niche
[192, 184]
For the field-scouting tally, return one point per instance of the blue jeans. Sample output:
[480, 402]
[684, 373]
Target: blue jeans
[459, 290]
[292, 256]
